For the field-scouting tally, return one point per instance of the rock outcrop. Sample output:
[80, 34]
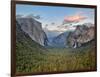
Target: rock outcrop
[34, 29]
[81, 35]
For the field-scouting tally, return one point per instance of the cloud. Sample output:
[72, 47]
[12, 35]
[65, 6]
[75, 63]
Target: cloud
[74, 19]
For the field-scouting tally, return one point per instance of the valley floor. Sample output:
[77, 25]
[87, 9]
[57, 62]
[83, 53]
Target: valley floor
[58, 59]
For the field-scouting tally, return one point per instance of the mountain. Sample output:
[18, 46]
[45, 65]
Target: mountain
[76, 38]
[82, 34]
[34, 29]
[23, 39]
[60, 40]
[27, 51]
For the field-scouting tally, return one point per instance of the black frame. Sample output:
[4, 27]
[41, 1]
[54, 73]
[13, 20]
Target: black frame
[13, 33]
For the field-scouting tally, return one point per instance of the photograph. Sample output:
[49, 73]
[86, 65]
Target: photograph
[54, 38]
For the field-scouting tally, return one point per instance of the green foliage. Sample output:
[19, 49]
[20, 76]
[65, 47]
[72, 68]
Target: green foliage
[55, 59]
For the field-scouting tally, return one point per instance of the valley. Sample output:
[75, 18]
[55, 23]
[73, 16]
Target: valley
[56, 59]
[34, 55]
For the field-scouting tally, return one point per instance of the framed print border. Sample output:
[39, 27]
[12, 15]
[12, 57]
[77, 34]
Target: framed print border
[13, 34]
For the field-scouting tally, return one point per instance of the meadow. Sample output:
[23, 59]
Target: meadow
[55, 59]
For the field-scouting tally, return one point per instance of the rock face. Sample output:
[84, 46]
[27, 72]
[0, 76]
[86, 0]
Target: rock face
[81, 35]
[34, 29]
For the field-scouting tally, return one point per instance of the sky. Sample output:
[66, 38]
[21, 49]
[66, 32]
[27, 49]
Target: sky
[57, 15]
